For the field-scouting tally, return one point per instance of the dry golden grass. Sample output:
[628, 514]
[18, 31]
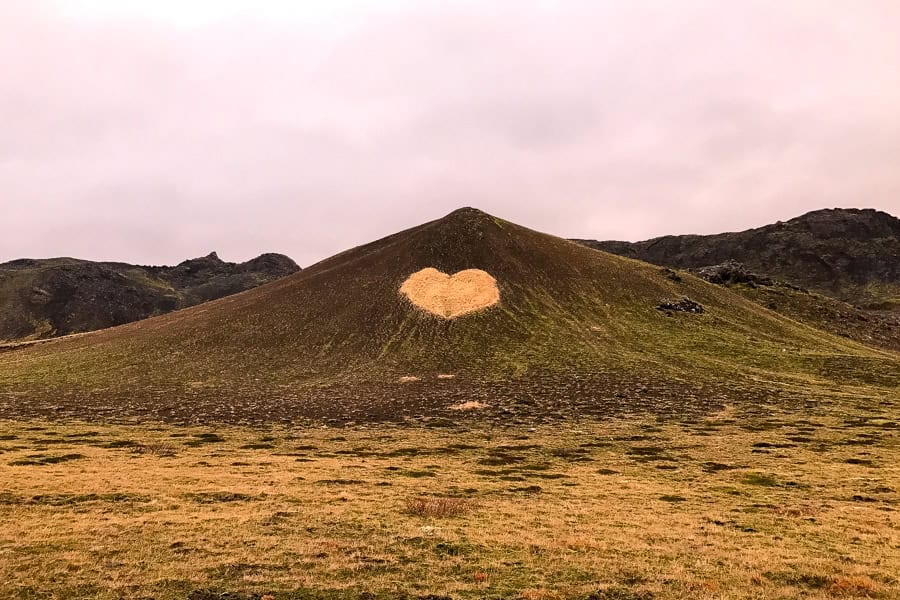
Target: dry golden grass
[854, 586]
[720, 508]
[468, 405]
[438, 508]
[156, 448]
[451, 296]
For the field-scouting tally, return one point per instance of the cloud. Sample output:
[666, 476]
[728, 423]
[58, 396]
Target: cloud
[147, 137]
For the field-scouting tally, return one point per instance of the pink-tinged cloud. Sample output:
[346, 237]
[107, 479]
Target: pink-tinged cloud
[155, 135]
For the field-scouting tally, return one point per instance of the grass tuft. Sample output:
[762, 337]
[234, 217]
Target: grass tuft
[161, 449]
[858, 586]
[760, 479]
[438, 507]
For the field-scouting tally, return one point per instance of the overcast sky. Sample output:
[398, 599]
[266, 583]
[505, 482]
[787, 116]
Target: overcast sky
[156, 130]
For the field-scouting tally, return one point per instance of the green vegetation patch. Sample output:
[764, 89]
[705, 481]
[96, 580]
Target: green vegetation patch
[528, 489]
[619, 593]
[865, 462]
[672, 498]
[808, 580]
[64, 499]
[462, 447]
[43, 459]
[204, 438]
[118, 444]
[417, 473]
[572, 454]
[214, 497]
[257, 446]
[649, 454]
[500, 459]
[761, 479]
[715, 467]
[340, 482]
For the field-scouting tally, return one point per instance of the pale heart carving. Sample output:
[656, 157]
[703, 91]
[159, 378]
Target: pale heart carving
[451, 296]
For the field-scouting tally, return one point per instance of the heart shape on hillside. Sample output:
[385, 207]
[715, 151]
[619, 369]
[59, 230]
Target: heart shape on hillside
[451, 296]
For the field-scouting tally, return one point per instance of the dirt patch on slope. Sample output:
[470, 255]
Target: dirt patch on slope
[451, 296]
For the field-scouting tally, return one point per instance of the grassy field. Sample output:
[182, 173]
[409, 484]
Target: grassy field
[732, 505]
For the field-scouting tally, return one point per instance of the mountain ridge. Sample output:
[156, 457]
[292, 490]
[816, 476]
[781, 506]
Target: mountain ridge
[43, 298]
[850, 254]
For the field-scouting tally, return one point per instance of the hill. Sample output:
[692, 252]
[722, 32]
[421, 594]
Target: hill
[874, 327]
[60, 296]
[850, 254]
[570, 330]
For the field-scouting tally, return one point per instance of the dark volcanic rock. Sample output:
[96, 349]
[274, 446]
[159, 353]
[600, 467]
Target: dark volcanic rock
[849, 254]
[270, 263]
[52, 297]
[670, 274]
[731, 272]
[685, 305]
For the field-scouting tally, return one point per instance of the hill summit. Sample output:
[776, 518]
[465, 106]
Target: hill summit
[566, 330]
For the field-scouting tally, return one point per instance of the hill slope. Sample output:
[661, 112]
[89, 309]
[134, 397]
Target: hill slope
[878, 328]
[575, 331]
[60, 296]
[850, 254]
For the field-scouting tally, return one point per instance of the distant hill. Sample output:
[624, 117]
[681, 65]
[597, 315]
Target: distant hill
[466, 310]
[849, 254]
[59, 296]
